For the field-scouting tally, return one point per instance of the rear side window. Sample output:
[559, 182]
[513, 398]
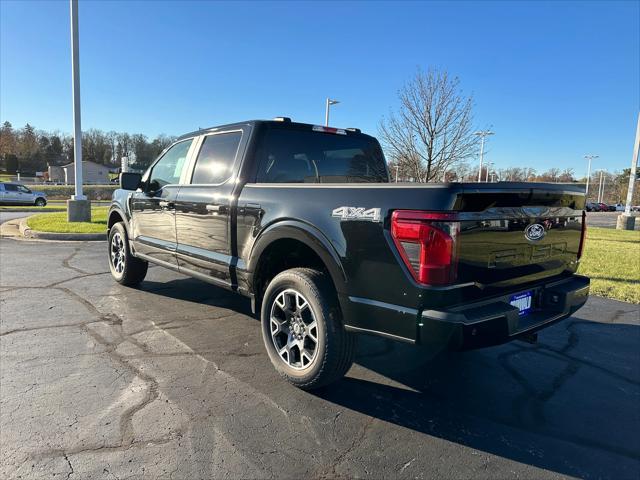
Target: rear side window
[294, 156]
[216, 158]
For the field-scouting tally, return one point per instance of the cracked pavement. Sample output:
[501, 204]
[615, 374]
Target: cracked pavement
[171, 381]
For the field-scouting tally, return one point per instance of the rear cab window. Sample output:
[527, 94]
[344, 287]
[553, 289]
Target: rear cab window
[300, 156]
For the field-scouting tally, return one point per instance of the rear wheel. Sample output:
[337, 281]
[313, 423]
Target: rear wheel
[302, 329]
[40, 202]
[125, 268]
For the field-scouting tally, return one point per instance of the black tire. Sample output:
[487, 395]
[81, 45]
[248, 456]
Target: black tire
[334, 347]
[40, 202]
[125, 268]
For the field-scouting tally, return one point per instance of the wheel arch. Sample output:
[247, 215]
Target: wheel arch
[292, 237]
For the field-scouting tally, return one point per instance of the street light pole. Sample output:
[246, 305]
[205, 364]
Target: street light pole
[632, 173]
[482, 134]
[326, 115]
[589, 157]
[78, 207]
[75, 81]
[626, 221]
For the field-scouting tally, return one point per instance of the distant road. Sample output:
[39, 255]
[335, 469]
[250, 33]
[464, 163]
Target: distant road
[607, 219]
[6, 216]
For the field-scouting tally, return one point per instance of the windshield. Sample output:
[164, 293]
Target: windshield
[295, 156]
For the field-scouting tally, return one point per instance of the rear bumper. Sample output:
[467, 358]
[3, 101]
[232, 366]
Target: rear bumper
[495, 321]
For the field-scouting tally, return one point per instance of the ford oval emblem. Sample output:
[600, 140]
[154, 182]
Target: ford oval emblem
[534, 232]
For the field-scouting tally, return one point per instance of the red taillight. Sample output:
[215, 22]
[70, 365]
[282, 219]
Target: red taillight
[426, 242]
[583, 234]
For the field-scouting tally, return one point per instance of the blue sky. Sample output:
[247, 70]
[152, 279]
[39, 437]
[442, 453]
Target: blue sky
[554, 80]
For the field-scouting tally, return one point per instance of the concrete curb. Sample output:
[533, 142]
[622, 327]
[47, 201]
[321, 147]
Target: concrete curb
[27, 232]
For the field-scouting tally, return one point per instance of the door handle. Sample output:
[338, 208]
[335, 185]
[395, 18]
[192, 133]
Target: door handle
[166, 205]
[215, 208]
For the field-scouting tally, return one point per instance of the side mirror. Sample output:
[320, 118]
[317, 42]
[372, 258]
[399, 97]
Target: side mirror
[130, 180]
[152, 187]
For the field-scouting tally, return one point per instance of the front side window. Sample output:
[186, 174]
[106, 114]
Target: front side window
[23, 189]
[168, 169]
[295, 156]
[216, 158]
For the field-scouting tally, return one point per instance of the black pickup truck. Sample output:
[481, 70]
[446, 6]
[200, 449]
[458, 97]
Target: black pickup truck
[304, 221]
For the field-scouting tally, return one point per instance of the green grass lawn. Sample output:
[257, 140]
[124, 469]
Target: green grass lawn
[57, 222]
[612, 261]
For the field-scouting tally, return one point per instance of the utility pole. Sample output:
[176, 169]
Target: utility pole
[482, 134]
[600, 187]
[626, 221]
[489, 165]
[326, 115]
[78, 207]
[589, 157]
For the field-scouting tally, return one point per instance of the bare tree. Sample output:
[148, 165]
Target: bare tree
[432, 130]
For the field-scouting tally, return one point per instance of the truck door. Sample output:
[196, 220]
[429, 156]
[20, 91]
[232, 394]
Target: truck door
[204, 208]
[153, 206]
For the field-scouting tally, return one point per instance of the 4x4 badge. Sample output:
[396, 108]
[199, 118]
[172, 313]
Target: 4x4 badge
[357, 213]
[534, 232]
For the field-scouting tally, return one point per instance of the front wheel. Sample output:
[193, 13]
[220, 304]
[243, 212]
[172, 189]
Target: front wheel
[302, 329]
[125, 268]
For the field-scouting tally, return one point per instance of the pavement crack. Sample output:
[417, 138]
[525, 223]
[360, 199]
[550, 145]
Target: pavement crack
[69, 464]
[357, 442]
[66, 264]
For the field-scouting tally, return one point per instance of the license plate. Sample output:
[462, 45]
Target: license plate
[522, 302]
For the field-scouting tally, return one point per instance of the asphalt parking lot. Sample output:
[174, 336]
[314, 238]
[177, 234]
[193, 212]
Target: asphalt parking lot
[608, 219]
[171, 381]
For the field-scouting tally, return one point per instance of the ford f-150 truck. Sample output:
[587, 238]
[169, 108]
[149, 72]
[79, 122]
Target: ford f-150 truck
[304, 221]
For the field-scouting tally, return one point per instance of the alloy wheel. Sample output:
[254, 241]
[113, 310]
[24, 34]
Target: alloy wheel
[294, 330]
[117, 253]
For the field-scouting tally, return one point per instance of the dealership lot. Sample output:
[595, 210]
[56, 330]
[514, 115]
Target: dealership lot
[172, 381]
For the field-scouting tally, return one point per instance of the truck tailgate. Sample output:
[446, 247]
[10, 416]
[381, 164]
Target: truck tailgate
[511, 236]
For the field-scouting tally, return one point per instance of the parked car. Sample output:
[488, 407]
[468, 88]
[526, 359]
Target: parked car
[304, 221]
[592, 207]
[603, 207]
[17, 194]
[618, 207]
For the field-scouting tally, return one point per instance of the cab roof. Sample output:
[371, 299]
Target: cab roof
[278, 122]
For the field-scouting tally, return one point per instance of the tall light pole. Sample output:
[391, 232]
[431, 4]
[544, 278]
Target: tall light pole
[482, 134]
[329, 103]
[590, 158]
[626, 221]
[78, 207]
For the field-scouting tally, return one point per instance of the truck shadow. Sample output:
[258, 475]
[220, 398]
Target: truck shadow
[568, 404]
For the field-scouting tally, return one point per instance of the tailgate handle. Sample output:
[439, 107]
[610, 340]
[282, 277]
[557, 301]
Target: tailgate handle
[164, 204]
